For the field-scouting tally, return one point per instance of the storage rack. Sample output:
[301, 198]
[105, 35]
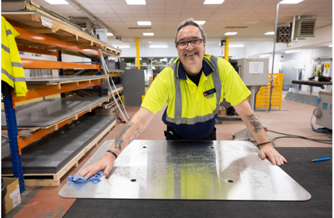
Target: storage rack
[55, 38]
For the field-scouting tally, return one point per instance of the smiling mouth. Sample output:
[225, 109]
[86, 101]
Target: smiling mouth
[190, 54]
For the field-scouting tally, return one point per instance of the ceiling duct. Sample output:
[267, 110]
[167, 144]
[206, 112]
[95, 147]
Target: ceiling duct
[304, 28]
[283, 34]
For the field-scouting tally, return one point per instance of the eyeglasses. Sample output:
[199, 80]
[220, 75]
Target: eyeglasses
[184, 43]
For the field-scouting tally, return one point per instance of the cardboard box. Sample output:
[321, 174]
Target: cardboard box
[13, 197]
[150, 80]
[221, 110]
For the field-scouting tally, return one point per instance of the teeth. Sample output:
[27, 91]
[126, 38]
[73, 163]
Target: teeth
[190, 54]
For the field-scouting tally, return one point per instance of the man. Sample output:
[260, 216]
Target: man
[192, 86]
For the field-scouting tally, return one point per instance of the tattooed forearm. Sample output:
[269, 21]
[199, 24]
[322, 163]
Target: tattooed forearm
[119, 139]
[254, 121]
[138, 131]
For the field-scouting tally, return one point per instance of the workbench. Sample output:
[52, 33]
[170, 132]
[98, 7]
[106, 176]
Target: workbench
[315, 177]
[312, 83]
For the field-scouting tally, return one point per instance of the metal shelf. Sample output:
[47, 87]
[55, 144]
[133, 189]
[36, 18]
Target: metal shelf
[36, 38]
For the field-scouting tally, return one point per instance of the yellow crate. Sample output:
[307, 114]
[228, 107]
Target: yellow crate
[263, 95]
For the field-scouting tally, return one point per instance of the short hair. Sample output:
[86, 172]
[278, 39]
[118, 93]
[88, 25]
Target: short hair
[190, 21]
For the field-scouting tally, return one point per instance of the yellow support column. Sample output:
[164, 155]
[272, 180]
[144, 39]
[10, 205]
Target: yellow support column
[137, 57]
[226, 48]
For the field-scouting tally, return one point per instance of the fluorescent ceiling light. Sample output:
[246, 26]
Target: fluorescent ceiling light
[269, 33]
[57, 2]
[230, 33]
[200, 22]
[163, 59]
[290, 1]
[144, 23]
[330, 45]
[121, 46]
[213, 2]
[136, 2]
[251, 22]
[236, 46]
[266, 55]
[292, 51]
[158, 46]
[148, 34]
[110, 34]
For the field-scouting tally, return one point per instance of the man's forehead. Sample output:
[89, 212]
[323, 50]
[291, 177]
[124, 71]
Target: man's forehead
[188, 32]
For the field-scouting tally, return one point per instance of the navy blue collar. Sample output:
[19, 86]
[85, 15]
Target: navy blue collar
[206, 68]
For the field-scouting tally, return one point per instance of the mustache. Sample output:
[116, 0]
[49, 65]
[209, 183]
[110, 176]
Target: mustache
[191, 51]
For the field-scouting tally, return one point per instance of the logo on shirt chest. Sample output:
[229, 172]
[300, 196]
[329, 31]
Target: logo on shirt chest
[210, 93]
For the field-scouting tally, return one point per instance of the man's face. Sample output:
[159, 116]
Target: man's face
[190, 54]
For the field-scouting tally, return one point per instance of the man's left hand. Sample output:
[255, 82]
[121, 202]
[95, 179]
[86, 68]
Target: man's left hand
[268, 151]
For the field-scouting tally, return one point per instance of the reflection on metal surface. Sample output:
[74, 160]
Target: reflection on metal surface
[56, 79]
[211, 170]
[50, 111]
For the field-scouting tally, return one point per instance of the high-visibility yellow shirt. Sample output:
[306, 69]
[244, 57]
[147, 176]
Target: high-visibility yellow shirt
[197, 101]
[11, 66]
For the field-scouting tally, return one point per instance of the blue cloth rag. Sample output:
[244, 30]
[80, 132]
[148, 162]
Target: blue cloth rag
[79, 179]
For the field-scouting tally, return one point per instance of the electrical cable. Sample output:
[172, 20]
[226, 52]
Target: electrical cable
[324, 141]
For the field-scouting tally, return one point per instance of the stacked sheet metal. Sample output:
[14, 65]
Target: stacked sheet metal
[51, 111]
[52, 152]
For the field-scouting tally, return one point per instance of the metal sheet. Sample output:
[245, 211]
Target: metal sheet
[54, 79]
[50, 111]
[51, 153]
[218, 170]
[302, 98]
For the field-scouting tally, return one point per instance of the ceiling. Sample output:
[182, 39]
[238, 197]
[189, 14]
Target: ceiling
[165, 16]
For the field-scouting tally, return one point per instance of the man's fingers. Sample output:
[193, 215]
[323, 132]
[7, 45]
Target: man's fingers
[84, 172]
[91, 173]
[262, 155]
[272, 159]
[279, 160]
[107, 170]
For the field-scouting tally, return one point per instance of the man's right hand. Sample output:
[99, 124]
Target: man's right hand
[105, 163]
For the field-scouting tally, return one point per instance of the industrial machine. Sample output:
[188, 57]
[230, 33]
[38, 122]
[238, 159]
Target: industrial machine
[324, 110]
[254, 73]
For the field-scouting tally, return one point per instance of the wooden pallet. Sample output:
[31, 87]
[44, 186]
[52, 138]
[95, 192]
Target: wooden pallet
[112, 104]
[59, 85]
[106, 94]
[113, 73]
[32, 21]
[54, 179]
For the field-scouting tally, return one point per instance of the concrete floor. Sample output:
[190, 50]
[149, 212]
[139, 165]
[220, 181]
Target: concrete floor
[294, 118]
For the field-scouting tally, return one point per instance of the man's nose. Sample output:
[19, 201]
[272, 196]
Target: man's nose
[191, 45]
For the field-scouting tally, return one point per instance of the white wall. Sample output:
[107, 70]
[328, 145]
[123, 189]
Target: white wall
[236, 53]
[323, 35]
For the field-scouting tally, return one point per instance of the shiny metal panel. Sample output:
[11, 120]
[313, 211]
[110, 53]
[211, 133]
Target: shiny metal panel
[206, 170]
[50, 111]
[60, 79]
